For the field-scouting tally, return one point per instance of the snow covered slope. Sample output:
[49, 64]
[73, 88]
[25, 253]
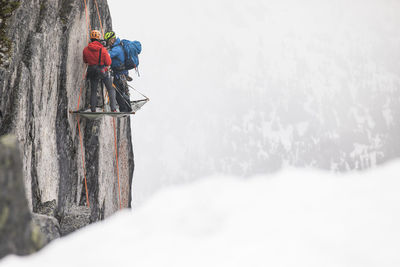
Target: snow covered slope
[246, 87]
[294, 218]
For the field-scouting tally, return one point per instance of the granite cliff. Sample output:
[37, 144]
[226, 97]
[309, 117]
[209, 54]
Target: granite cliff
[41, 75]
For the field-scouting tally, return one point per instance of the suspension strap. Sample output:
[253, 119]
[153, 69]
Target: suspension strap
[138, 92]
[119, 91]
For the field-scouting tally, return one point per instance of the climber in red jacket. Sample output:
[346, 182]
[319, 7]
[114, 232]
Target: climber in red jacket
[98, 59]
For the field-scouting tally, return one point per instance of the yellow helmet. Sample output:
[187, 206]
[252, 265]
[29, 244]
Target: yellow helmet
[95, 34]
[109, 35]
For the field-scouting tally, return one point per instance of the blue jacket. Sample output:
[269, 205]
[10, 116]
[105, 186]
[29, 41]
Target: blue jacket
[117, 55]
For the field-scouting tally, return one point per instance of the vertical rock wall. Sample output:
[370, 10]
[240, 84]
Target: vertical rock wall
[38, 88]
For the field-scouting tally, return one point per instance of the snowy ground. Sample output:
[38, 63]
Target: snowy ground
[293, 218]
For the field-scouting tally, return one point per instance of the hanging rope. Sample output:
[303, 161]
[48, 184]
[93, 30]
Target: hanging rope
[80, 140]
[88, 26]
[77, 108]
[98, 14]
[87, 21]
[119, 91]
[83, 163]
[116, 158]
[115, 134]
[138, 92]
[80, 90]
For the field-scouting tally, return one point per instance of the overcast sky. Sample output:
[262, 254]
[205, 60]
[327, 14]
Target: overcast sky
[247, 87]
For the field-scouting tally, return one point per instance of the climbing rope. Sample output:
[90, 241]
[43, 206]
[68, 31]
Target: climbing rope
[80, 90]
[113, 119]
[139, 92]
[116, 157]
[119, 91]
[87, 21]
[77, 108]
[98, 14]
[83, 163]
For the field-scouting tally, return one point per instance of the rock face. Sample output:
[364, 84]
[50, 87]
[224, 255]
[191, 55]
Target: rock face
[38, 87]
[17, 233]
[48, 227]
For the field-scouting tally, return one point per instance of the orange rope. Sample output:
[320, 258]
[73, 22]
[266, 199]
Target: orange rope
[77, 108]
[87, 39]
[80, 90]
[115, 134]
[98, 14]
[116, 157]
[87, 21]
[83, 163]
[80, 93]
[79, 128]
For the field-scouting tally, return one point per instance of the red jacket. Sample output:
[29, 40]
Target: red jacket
[91, 54]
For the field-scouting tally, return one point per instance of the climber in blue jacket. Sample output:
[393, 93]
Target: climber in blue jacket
[120, 68]
[118, 57]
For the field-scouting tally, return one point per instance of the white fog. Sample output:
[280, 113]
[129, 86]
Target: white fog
[249, 87]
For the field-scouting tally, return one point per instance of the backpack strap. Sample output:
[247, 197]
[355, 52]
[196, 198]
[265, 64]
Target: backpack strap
[100, 57]
[123, 49]
[125, 54]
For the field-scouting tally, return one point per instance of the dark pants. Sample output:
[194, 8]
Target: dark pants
[122, 94]
[95, 74]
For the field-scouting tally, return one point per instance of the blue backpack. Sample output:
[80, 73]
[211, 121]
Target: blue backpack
[131, 52]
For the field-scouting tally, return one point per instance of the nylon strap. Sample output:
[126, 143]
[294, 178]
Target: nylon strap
[100, 57]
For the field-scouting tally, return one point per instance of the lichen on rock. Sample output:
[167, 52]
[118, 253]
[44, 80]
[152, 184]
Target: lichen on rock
[17, 233]
[7, 8]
